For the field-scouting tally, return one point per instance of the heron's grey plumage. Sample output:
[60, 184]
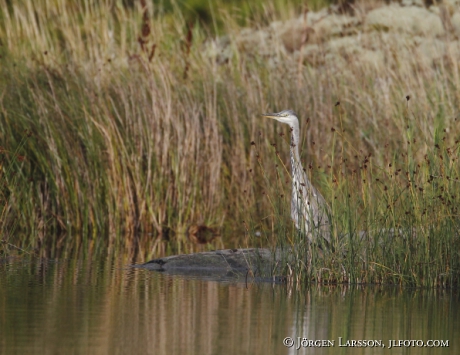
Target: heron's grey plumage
[309, 209]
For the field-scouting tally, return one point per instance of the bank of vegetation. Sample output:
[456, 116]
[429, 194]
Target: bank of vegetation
[120, 129]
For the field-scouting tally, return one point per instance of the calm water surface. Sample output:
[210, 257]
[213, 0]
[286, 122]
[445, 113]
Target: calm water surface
[105, 307]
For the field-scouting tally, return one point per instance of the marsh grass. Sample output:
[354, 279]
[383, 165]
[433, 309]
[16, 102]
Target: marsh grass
[138, 133]
[396, 223]
[10, 163]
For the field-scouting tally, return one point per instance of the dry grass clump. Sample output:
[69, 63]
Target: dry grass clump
[137, 134]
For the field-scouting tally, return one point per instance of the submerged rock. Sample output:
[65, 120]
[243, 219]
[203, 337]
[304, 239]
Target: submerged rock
[255, 263]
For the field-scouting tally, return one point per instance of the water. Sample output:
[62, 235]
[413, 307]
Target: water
[104, 307]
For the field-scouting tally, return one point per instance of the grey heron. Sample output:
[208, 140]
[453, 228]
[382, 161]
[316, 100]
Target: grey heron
[309, 209]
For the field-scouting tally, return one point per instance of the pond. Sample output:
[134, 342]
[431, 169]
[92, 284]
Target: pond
[84, 306]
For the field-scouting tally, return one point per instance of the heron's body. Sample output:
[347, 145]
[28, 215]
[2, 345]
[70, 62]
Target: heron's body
[309, 209]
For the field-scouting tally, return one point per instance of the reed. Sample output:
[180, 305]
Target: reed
[137, 133]
[395, 223]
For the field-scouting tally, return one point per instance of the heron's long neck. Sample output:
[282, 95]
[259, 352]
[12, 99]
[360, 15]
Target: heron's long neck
[295, 158]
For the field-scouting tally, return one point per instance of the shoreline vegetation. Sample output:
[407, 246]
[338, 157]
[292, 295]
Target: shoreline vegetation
[129, 127]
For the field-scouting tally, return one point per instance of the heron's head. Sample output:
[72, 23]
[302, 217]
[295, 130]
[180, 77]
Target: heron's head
[286, 116]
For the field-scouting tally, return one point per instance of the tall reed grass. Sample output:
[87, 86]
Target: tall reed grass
[394, 223]
[136, 133]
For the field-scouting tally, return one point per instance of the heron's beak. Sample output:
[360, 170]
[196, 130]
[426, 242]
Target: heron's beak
[271, 115]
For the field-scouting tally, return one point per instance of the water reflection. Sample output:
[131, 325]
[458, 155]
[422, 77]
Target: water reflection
[102, 307]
